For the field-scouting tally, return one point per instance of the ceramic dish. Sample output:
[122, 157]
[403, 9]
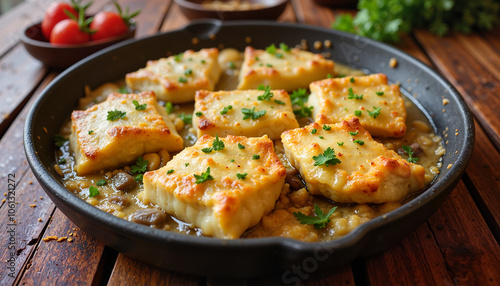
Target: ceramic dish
[64, 56]
[247, 257]
[262, 10]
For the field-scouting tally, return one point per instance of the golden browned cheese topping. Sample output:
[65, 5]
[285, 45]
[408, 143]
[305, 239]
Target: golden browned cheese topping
[378, 105]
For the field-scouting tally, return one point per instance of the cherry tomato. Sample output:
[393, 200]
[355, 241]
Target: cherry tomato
[54, 14]
[68, 32]
[107, 25]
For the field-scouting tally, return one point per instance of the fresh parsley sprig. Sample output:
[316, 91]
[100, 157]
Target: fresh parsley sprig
[251, 113]
[410, 153]
[319, 221]
[326, 158]
[205, 176]
[139, 106]
[375, 112]
[115, 115]
[267, 94]
[352, 95]
[217, 145]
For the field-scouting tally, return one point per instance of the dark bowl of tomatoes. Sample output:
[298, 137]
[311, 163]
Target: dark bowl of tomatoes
[62, 56]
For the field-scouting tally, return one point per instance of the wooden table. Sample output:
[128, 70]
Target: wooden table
[457, 245]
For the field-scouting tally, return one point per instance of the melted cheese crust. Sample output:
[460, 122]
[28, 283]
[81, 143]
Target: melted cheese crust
[295, 69]
[99, 143]
[331, 104]
[278, 117]
[226, 206]
[200, 70]
[368, 173]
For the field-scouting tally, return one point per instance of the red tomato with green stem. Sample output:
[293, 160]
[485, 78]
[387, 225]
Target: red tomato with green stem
[110, 24]
[58, 11]
[71, 31]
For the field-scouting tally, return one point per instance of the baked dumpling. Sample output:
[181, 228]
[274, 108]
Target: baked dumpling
[120, 129]
[343, 163]
[177, 78]
[378, 105]
[221, 185]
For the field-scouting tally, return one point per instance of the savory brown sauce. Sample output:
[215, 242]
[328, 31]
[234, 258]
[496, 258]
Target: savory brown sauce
[123, 196]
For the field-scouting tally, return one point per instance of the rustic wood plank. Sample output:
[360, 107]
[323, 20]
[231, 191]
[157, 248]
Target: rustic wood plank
[482, 51]
[416, 260]
[128, 271]
[470, 250]
[493, 38]
[64, 262]
[476, 84]
[310, 13]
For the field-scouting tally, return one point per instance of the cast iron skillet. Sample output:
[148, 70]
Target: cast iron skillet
[247, 257]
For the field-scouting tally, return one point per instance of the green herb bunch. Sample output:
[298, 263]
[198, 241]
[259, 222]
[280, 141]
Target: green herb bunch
[387, 20]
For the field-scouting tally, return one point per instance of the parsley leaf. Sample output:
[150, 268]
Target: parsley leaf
[123, 89]
[326, 127]
[353, 133]
[352, 95]
[409, 151]
[115, 115]
[279, 102]
[340, 143]
[169, 107]
[101, 182]
[255, 156]
[231, 65]
[327, 158]
[271, 49]
[207, 150]
[299, 96]
[318, 221]
[93, 191]
[91, 131]
[139, 106]
[187, 118]
[329, 75]
[314, 131]
[251, 113]
[375, 112]
[284, 47]
[267, 94]
[178, 57]
[241, 146]
[140, 165]
[59, 140]
[357, 113]
[170, 171]
[360, 142]
[261, 87]
[379, 93]
[241, 176]
[139, 177]
[62, 161]
[183, 79]
[205, 176]
[218, 144]
[352, 79]
[226, 109]
[198, 114]
[188, 72]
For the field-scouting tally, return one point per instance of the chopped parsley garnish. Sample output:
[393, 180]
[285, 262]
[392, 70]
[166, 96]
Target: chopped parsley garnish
[101, 182]
[379, 93]
[59, 140]
[241, 176]
[62, 161]
[269, 65]
[188, 72]
[226, 109]
[326, 127]
[360, 142]
[279, 102]
[327, 158]
[299, 98]
[169, 107]
[186, 164]
[203, 61]
[251, 113]
[375, 112]
[187, 118]
[198, 114]
[178, 57]
[231, 65]
[93, 191]
[267, 94]
[139, 106]
[279, 55]
[91, 131]
[357, 112]
[256, 58]
[170, 171]
[352, 79]
[329, 75]
[232, 160]
[217, 145]
[353, 133]
[340, 143]
[183, 79]
[139, 177]
[284, 47]
[241, 146]
[271, 49]
[115, 115]
[261, 87]
[318, 221]
[140, 165]
[321, 137]
[205, 176]
[304, 111]
[409, 151]
[352, 95]
[123, 89]
[255, 156]
[314, 131]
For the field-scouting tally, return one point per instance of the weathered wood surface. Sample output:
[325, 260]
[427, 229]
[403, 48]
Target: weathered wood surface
[457, 245]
